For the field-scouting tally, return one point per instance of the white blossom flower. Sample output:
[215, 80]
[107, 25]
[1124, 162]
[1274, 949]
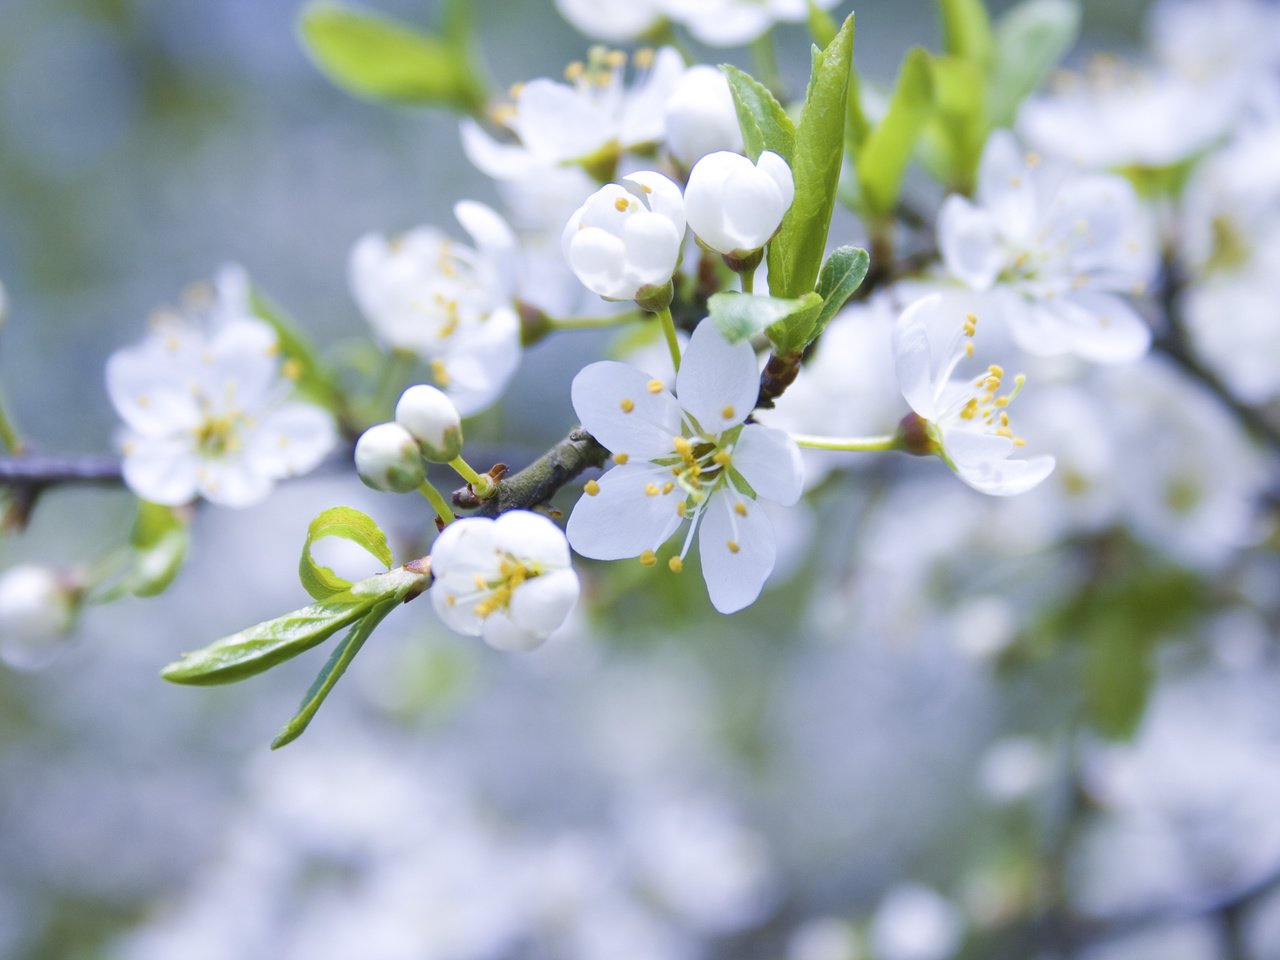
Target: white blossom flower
[613, 20]
[595, 116]
[507, 580]
[37, 611]
[700, 116]
[1207, 40]
[735, 206]
[688, 457]
[627, 236]
[449, 303]
[1055, 250]
[207, 411]
[914, 922]
[731, 23]
[387, 458]
[432, 420]
[966, 421]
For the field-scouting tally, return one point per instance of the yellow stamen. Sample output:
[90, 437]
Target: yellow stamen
[591, 488]
[627, 405]
[727, 412]
[621, 458]
[648, 558]
[740, 508]
[654, 386]
[732, 545]
[675, 564]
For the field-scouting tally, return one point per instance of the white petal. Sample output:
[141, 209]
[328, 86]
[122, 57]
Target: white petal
[642, 116]
[542, 605]
[652, 248]
[719, 381]
[753, 208]
[660, 194]
[467, 547]
[481, 360]
[780, 173]
[911, 356]
[162, 470]
[234, 482]
[454, 602]
[735, 578]
[599, 260]
[292, 440]
[532, 537]
[241, 364]
[622, 519]
[1007, 478]
[602, 392]
[970, 243]
[150, 392]
[502, 161]
[1095, 326]
[770, 462]
[556, 123]
[494, 239]
[502, 633]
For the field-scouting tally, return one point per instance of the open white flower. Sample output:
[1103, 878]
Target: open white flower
[700, 116]
[966, 422]
[207, 412]
[37, 611]
[507, 580]
[449, 303]
[627, 236]
[1055, 250]
[595, 115]
[688, 457]
[731, 23]
[613, 20]
[735, 206]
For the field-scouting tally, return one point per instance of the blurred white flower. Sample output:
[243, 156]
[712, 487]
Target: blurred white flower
[449, 303]
[700, 116]
[207, 413]
[913, 922]
[731, 23]
[825, 938]
[596, 116]
[387, 458]
[966, 420]
[1207, 40]
[626, 237]
[734, 206]
[37, 612]
[613, 20]
[686, 457]
[432, 420]
[1012, 769]
[1055, 251]
[507, 580]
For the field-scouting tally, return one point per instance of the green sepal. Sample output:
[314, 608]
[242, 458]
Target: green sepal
[332, 672]
[765, 124]
[840, 278]
[260, 647]
[349, 524]
[382, 59]
[795, 253]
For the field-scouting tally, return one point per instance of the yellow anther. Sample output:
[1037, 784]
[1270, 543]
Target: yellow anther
[996, 370]
[1032, 160]
[732, 545]
[1015, 181]
[970, 409]
[675, 564]
[643, 58]
[722, 457]
[291, 369]
[682, 509]
[574, 71]
[621, 458]
[1001, 401]
[968, 348]
[480, 582]
[1019, 442]
[667, 487]
[591, 488]
[503, 114]
[646, 188]
[650, 489]
[622, 204]
[142, 400]
[648, 558]
[727, 412]
[970, 324]
[515, 90]
[654, 386]
[627, 405]
[682, 445]
[451, 600]
[616, 58]
[440, 372]
[740, 508]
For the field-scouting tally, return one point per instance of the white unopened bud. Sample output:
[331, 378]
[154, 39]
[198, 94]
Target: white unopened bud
[627, 236]
[433, 421]
[735, 206]
[387, 458]
[700, 116]
[37, 611]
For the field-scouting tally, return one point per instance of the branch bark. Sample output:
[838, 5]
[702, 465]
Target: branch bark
[537, 483]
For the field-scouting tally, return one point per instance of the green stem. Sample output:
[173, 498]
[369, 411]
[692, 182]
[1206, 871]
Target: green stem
[765, 60]
[857, 444]
[437, 501]
[9, 437]
[669, 331]
[595, 323]
[748, 278]
[480, 483]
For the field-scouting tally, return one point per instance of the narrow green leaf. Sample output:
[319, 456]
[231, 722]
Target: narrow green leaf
[741, 315]
[966, 30]
[795, 254]
[883, 160]
[1031, 40]
[260, 647]
[822, 27]
[841, 275]
[765, 125]
[329, 676]
[952, 141]
[349, 524]
[382, 59]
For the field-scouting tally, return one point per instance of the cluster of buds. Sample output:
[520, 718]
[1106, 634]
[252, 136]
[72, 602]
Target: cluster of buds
[427, 426]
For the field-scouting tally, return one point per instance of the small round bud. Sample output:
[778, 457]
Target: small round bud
[37, 611]
[433, 421]
[735, 206]
[387, 458]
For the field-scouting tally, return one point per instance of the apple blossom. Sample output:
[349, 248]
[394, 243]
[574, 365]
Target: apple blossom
[449, 303]
[37, 611]
[387, 458]
[1055, 251]
[432, 420]
[688, 457]
[624, 242]
[207, 413]
[700, 116]
[966, 422]
[734, 206]
[507, 580]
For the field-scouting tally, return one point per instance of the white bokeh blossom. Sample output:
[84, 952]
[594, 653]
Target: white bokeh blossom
[688, 457]
[612, 20]
[731, 23]
[700, 116]
[37, 612]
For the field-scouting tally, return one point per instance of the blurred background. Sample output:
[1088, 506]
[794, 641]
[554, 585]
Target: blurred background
[888, 757]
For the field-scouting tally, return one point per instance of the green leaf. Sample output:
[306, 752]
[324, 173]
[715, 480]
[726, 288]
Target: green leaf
[741, 315]
[328, 677]
[882, 162]
[382, 59]
[311, 376]
[966, 30]
[841, 275]
[795, 254]
[159, 539]
[349, 524]
[821, 26]
[260, 647]
[1031, 39]
[952, 142]
[765, 125]
[795, 331]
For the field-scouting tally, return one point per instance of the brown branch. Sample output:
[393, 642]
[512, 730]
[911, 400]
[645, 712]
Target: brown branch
[537, 483]
[39, 470]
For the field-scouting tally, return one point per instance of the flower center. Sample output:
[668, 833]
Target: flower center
[219, 436]
[496, 593]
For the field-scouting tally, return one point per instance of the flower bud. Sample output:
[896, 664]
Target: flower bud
[627, 236]
[433, 421]
[37, 611]
[387, 458]
[735, 206]
[701, 117]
